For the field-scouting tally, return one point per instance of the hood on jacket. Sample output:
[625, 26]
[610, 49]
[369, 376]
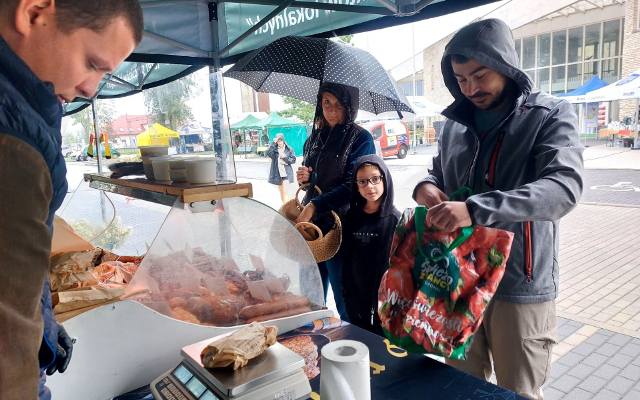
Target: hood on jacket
[357, 201]
[348, 96]
[489, 42]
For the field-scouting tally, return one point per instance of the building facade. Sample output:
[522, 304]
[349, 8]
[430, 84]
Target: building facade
[125, 128]
[561, 46]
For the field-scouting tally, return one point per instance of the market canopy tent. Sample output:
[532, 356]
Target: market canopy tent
[626, 88]
[182, 36]
[577, 95]
[248, 122]
[156, 135]
[295, 133]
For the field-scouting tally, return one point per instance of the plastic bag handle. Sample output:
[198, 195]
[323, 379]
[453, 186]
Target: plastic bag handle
[420, 216]
[461, 194]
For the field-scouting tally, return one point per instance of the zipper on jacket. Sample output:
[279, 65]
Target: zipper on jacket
[528, 251]
[491, 175]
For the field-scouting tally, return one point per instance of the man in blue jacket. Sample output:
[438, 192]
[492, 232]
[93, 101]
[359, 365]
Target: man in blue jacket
[519, 152]
[50, 52]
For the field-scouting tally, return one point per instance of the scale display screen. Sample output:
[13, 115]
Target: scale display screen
[193, 384]
[183, 374]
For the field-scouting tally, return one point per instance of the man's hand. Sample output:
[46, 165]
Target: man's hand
[303, 174]
[429, 195]
[307, 213]
[449, 216]
[64, 348]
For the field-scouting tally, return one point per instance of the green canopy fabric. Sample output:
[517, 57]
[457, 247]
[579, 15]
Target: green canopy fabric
[183, 36]
[248, 122]
[295, 133]
[274, 120]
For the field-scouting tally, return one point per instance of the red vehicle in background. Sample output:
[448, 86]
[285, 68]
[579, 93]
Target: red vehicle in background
[391, 135]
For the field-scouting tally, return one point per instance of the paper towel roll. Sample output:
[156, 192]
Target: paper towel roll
[344, 371]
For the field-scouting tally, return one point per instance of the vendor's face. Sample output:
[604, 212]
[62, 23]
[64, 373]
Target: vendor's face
[75, 61]
[332, 110]
[481, 85]
[371, 192]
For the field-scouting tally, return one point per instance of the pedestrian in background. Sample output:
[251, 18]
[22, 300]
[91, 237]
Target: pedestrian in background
[330, 153]
[520, 154]
[282, 158]
[50, 52]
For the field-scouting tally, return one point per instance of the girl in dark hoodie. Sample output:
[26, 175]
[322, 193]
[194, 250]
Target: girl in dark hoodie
[368, 230]
[329, 155]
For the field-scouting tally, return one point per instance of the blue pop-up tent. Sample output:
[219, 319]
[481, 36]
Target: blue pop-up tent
[577, 94]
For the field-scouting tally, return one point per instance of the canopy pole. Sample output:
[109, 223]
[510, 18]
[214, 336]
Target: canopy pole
[413, 83]
[95, 131]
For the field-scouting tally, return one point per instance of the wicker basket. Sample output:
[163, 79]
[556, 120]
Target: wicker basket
[323, 247]
[292, 208]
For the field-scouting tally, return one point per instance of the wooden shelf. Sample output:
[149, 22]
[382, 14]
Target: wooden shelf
[166, 194]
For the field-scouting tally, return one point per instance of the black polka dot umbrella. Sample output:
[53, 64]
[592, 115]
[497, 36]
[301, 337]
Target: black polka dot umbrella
[295, 66]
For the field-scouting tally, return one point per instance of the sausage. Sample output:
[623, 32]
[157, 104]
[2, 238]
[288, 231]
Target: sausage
[281, 314]
[278, 304]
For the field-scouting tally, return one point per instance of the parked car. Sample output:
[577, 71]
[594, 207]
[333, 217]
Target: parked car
[392, 136]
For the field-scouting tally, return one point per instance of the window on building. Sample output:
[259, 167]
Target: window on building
[542, 81]
[610, 38]
[592, 42]
[557, 79]
[559, 48]
[518, 43]
[610, 70]
[574, 76]
[529, 52]
[590, 69]
[574, 53]
[544, 50]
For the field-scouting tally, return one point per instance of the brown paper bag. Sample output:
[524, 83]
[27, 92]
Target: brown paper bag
[77, 299]
[65, 239]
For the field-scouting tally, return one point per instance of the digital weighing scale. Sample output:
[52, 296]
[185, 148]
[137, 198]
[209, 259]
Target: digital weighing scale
[277, 374]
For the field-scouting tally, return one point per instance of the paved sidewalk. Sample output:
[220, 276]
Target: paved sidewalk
[593, 363]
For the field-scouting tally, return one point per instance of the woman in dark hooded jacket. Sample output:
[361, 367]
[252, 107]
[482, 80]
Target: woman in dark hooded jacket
[367, 233]
[329, 155]
[281, 159]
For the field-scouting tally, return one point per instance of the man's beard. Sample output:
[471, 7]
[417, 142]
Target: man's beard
[508, 94]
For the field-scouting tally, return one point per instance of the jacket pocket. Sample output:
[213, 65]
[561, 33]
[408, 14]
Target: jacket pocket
[528, 250]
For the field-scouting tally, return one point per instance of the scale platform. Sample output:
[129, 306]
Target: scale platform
[277, 374]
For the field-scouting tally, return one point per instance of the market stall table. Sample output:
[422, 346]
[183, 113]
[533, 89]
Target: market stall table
[395, 374]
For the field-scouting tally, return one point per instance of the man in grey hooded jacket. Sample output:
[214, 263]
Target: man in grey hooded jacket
[519, 153]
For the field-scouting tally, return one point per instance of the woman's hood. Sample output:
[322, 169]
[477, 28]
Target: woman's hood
[386, 208]
[348, 96]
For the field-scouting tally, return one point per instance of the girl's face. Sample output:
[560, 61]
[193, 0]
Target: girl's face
[370, 183]
[332, 110]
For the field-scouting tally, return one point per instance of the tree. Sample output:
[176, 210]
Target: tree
[105, 111]
[300, 109]
[167, 104]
